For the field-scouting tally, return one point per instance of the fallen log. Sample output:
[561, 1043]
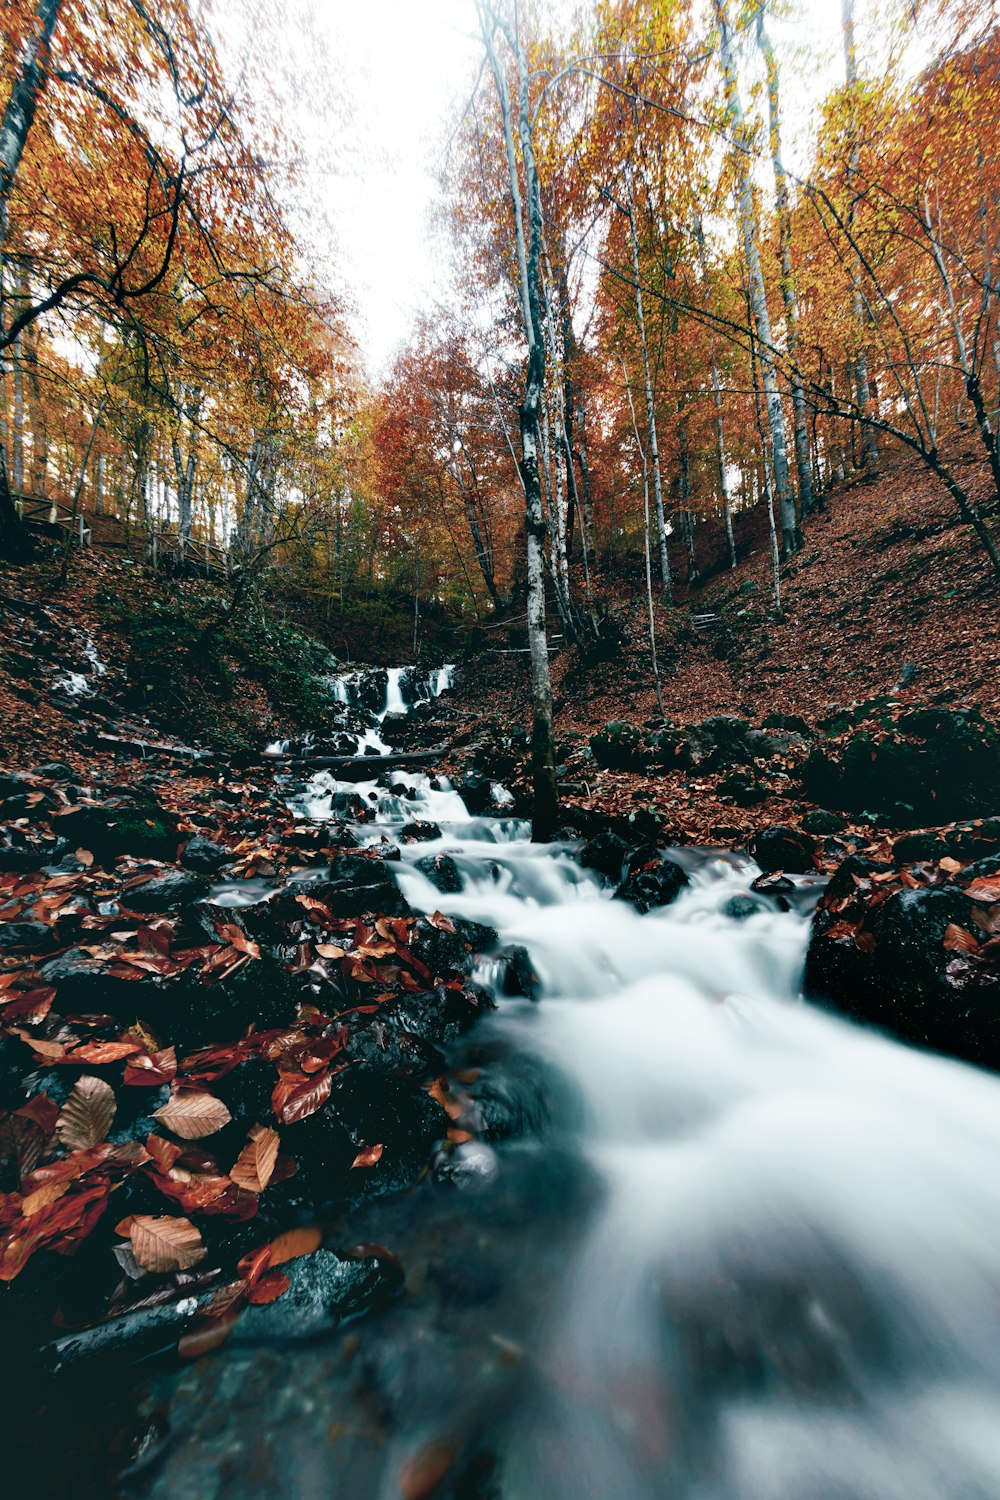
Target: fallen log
[143, 748]
[365, 763]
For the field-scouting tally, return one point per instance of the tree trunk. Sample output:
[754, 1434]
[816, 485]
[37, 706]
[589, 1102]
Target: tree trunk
[869, 441]
[791, 539]
[789, 295]
[654, 449]
[529, 256]
[20, 112]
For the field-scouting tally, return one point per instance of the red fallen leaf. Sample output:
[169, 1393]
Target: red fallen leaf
[421, 1475]
[368, 1156]
[212, 1062]
[101, 1052]
[441, 922]
[950, 866]
[459, 1137]
[252, 1266]
[42, 1197]
[988, 918]
[865, 941]
[209, 1335]
[330, 950]
[163, 1153]
[452, 1107]
[30, 1005]
[957, 940]
[60, 1225]
[85, 857]
[986, 888]
[49, 1051]
[237, 938]
[41, 1111]
[296, 1097]
[295, 1242]
[269, 1289]
[150, 1069]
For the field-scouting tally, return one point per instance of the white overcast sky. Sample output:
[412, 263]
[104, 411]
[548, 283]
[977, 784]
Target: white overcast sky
[372, 89]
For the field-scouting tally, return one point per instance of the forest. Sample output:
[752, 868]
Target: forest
[500, 818]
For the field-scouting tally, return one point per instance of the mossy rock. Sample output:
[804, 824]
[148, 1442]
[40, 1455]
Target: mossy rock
[619, 746]
[142, 829]
[823, 822]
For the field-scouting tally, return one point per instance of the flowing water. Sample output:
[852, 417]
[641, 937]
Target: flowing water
[716, 1245]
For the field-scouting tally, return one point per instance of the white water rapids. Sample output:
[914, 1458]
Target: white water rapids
[787, 1286]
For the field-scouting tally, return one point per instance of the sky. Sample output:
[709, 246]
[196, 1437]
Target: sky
[372, 93]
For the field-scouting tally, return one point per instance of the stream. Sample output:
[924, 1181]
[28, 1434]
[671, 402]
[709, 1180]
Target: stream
[713, 1244]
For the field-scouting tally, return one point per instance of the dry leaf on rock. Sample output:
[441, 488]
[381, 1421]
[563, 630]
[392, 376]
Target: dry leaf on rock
[192, 1114]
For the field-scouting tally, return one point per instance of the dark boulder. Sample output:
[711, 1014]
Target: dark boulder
[739, 908]
[419, 832]
[476, 791]
[619, 746]
[785, 849]
[29, 937]
[821, 822]
[325, 1289]
[442, 872]
[142, 829]
[55, 770]
[893, 962]
[920, 766]
[655, 884]
[204, 855]
[165, 891]
[606, 853]
[456, 952]
[359, 885]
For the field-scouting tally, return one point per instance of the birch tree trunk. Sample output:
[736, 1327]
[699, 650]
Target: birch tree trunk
[789, 294]
[746, 211]
[869, 441]
[529, 255]
[654, 448]
[720, 424]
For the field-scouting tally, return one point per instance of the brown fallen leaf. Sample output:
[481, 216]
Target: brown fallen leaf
[330, 950]
[368, 1157]
[957, 940]
[86, 1117]
[254, 1166]
[269, 1288]
[164, 1244]
[422, 1474]
[206, 1336]
[192, 1114]
[441, 922]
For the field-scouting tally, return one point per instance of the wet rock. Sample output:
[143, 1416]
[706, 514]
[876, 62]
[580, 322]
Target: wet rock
[619, 746]
[165, 892]
[476, 791]
[442, 872]
[204, 855]
[349, 805]
[517, 973]
[822, 822]
[739, 908]
[743, 787]
[653, 885]
[786, 849]
[447, 953]
[919, 766]
[773, 885]
[419, 832]
[606, 853]
[30, 937]
[886, 961]
[55, 770]
[143, 829]
[469, 1167]
[358, 885]
[325, 1290]
[261, 995]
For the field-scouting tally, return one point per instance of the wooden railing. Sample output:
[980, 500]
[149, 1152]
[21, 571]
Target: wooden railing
[40, 514]
[167, 546]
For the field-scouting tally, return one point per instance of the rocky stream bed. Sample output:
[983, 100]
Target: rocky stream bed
[353, 1145]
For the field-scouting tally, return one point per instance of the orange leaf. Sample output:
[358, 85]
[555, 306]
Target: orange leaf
[269, 1288]
[207, 1336]
[368, 1157]
[295, 1242]
[957, 940]
[254, 1166]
